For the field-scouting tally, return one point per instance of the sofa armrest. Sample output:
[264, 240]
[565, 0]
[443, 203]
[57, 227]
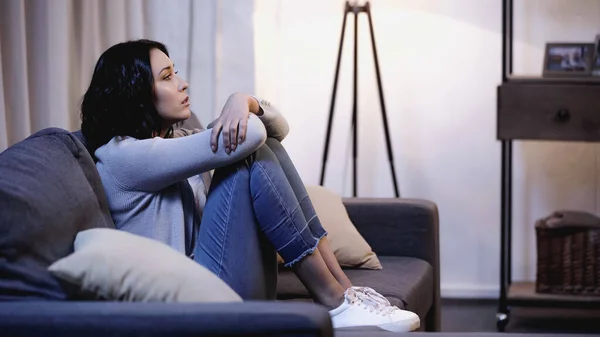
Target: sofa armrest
[402, 227]
[397, 227]
[163, 319]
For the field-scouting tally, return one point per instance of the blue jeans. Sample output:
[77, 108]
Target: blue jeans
[255, 208]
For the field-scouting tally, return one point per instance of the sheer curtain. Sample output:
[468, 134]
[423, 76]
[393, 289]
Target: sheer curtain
[48, 49]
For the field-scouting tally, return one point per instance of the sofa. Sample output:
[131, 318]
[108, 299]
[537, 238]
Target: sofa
[50, 191]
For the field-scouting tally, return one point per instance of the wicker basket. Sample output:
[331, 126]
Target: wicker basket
[568, 254]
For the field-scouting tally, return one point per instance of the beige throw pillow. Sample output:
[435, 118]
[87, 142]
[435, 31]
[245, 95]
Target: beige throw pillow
[349, 247]
[116, 265]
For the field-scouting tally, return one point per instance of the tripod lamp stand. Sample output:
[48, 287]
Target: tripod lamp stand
[356, 9]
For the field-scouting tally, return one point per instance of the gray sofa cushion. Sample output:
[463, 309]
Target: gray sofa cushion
[407, 282]
[49, 191]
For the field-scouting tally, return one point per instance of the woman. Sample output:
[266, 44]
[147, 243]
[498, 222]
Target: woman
[156, 180]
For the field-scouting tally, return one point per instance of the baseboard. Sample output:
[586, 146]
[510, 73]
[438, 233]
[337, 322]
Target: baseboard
[470, 291]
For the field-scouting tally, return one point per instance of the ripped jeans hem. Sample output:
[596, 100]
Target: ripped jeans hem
[306, 252]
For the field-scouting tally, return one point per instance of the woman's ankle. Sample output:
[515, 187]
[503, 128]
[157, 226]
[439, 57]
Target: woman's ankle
[330, 302]
[344, 282]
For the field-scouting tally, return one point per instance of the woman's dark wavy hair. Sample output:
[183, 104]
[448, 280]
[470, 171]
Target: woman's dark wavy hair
[120, 100]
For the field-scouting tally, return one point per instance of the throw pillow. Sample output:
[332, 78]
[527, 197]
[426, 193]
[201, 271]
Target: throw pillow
[349, 247]
[116, 265]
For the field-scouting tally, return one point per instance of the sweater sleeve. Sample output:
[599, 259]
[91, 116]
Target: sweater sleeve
[153, 164]
[276, 125]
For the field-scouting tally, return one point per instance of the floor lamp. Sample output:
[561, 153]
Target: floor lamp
[355, 9]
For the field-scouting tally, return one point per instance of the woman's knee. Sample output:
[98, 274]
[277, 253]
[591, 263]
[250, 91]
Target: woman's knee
[274, 145]
[229, 178]
[266, 152]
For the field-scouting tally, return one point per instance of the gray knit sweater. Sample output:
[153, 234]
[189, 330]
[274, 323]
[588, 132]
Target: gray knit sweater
[157, 187]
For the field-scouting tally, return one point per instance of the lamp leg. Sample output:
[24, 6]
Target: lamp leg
[333, 95]
[355, 109]
[382, 103]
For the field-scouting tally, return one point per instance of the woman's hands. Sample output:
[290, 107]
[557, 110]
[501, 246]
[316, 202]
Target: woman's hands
[233, 121]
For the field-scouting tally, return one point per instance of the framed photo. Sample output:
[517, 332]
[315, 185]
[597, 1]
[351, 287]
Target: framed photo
[568, 59]
[596, 61]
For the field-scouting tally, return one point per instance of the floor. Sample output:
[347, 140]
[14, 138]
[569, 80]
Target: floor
[460, 315]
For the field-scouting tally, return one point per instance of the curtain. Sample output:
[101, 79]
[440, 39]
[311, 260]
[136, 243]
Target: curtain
[48, 49]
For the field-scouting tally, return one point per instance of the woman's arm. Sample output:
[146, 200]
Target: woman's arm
[276, 125]
[153, 164]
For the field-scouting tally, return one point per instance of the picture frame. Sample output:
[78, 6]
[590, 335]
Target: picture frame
[596, 60]
[568, 59]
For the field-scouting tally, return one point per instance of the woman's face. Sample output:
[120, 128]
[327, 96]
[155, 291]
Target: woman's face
[172, 101]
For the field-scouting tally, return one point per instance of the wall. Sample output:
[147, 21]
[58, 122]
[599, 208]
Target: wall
[441, 63]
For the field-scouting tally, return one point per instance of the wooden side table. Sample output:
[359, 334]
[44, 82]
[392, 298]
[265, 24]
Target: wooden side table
[539, 109]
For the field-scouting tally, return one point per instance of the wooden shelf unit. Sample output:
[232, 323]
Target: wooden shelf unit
[537, 108]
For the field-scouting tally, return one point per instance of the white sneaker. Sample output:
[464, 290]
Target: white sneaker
[363, 306]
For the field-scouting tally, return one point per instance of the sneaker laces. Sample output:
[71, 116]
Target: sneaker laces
[373, 294]
[370, 299]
